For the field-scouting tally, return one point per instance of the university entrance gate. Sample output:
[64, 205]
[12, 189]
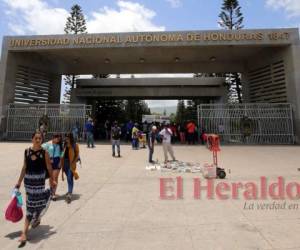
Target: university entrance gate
[267, 59]
[22, 120]
[248, 123]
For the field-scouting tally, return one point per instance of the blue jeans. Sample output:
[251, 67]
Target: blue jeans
[69, 175]
[114, 144]
[90, 139]
[135, 143]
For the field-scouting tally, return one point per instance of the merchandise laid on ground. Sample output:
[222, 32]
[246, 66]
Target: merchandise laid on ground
[207, 170]
[176, 166]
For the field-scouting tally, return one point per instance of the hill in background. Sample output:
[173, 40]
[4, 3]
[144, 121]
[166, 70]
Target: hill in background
[160, 110]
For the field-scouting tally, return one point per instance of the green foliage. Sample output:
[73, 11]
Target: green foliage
[234, 86]
[187, 111]
[172, 118]
[75, 24]
[120, 110]
[231, 15]
[109, 109]
[70, 81]
[231, 18]
[135, 109]
[180, 112]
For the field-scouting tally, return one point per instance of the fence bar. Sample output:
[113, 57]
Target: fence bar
[266, 123]
[23, 119]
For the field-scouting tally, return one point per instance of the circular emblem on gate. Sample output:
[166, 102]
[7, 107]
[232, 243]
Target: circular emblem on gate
[246, 126]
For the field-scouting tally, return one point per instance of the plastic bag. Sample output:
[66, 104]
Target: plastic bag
[14, 212]
[209, 171]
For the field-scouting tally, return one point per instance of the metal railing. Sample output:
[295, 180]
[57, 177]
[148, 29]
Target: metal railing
[253, 123]
[23, 119]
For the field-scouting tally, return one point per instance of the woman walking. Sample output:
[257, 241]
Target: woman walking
[55, 151]
[35, 169]
[70, 158]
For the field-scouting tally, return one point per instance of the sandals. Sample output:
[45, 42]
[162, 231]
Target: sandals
[22, 241]
[54, 197]
[68, 198]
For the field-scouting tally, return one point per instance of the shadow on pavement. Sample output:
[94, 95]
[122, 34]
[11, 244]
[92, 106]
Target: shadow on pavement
[36, 235]
[75, 197]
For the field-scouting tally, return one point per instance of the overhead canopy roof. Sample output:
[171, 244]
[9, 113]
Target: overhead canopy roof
[152, 52]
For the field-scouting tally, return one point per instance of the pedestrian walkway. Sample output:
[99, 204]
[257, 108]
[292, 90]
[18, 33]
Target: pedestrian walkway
[116, 203]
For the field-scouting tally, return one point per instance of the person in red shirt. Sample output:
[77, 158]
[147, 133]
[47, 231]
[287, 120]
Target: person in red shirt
[191, 127]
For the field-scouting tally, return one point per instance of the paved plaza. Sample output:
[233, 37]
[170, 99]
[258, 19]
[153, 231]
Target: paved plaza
[116, 203]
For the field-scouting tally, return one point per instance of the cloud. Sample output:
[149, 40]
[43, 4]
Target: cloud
[38, 17]
[31, 17]
[174, 3]
[129, 17]
[35, 17]
[291, 7]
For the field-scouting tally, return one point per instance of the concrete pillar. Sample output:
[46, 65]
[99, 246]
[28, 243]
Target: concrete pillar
[77, 100]
[55, 90]
[7, 85]
[8, 80]
[293, 87]
[245, 87]
[291, 57]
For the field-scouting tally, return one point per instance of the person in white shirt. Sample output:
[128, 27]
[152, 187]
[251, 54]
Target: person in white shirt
[166, 134]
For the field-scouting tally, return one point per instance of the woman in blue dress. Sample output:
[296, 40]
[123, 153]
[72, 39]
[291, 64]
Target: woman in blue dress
[55, 151]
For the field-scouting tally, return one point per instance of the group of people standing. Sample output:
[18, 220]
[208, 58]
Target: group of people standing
[164, 136]
[44, 161]
[188, 132]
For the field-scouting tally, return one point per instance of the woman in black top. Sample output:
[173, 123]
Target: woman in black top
[35, 169]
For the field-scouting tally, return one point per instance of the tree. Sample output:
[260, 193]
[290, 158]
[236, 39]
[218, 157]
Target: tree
[70, 81]
[75, 24]
[110, 109]
[172, 118]
[231, 18]
[180, 112]
[135, 109]
[231, 15]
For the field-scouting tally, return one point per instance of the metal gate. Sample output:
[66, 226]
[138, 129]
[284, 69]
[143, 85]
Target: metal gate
[23, 119]
[253, 123]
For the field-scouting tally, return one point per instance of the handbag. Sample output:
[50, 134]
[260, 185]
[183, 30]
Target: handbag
[14, 212]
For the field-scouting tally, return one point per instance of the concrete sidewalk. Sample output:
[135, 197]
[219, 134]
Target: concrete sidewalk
[117, 203]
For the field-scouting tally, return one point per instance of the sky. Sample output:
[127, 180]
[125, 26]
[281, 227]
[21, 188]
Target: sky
[31, 17]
